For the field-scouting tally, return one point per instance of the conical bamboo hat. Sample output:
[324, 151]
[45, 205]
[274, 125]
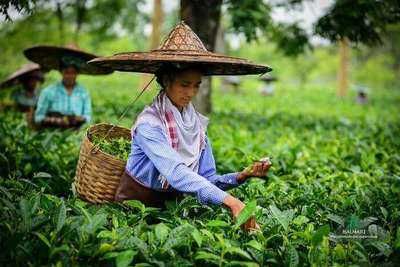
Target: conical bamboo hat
[29, 69]
[184, 47]
[51, 57]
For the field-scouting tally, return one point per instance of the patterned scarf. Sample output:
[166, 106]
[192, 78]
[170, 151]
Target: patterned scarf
[185, 130]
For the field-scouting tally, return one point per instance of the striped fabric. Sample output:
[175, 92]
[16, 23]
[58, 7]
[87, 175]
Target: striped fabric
[152, 155]
[173, 135]
[55, 98]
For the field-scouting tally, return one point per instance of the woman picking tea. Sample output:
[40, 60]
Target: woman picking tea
[171, 153]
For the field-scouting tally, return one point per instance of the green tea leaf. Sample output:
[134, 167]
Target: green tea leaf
[125, 258]
[105, 247]
[339, 220]
[62, 214]
[197, 237]
[242, 263]
[135, 204]
[105, 234]
[300, 220]
[118, 147]
[110, 255]
[292, 257]
[384, 212]
[255, 244]
[178, 237]
[397, 242]
[319, 235]
[42, 175]
[25, 211]
[217, 223]
[161, 231]
[283, 217]
[238, 251]
[246, 213]
[384, 248]
[5, 192]
[43, 239]
[55, 250]
[207, 256]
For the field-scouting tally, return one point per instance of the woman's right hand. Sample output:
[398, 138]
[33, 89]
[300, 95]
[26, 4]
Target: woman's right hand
[236, 206]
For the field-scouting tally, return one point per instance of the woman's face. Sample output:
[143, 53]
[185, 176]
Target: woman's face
[69, 75]
[184, 87]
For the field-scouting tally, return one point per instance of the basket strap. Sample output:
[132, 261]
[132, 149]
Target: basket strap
[130, 106]
[95, 147]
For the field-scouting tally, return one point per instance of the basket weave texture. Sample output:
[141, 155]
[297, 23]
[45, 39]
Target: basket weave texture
[98, 174]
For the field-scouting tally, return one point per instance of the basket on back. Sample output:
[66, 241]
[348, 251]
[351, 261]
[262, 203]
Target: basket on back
[98, 173]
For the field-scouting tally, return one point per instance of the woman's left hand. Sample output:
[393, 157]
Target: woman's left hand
[257, 169]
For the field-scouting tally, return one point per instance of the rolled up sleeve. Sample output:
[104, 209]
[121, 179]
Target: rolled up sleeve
[169, 163]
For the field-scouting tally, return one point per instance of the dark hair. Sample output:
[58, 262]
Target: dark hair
[64, 66]
[67, 61]
[171, 70]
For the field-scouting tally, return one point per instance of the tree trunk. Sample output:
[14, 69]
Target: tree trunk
[60, 17]
[220, 47]
[343, 82]
[393, 40]
[157, 20]
[155, 38]
[203, 17]
[80, 7]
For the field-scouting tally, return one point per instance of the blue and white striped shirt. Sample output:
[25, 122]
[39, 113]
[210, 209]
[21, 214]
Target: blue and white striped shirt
[151, 154]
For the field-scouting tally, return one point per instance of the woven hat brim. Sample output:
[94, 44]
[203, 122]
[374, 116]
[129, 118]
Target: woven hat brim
[150, 62]
[50, 58]
[24, 71]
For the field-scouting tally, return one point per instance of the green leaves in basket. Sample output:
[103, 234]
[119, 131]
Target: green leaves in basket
[118, 147]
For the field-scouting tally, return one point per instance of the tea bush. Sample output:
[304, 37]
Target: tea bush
[335, 165]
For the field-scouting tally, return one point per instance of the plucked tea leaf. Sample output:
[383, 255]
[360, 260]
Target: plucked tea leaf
[246, 213]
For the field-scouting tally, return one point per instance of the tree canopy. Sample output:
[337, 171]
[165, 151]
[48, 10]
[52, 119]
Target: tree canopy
[369, 20]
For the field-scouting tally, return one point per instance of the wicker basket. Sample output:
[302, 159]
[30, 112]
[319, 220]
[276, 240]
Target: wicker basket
[98, 173]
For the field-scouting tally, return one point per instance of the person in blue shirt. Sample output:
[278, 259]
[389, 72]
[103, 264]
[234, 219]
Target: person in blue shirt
[66, 103]
[26, 80]
[171, 152]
